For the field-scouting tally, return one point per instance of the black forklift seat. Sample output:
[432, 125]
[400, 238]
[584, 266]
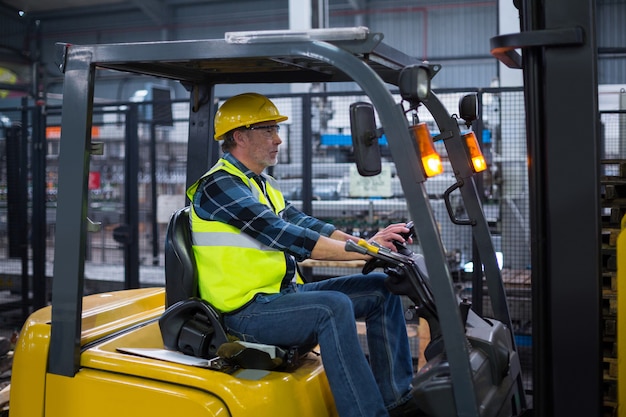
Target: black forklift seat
[189, 324]
[181, 274]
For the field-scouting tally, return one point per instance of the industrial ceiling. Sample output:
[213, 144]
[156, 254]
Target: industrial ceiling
[157, 10]
[38, 6]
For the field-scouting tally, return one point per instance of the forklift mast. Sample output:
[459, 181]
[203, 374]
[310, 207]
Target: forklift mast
[559, 64]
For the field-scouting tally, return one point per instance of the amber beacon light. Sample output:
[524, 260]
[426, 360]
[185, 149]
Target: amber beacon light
[431, 161]
[477, 159]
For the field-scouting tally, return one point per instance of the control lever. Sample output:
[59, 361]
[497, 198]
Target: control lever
[361, 247]
[380, 252]
[401, 246]
[411, 232]
[404, 275]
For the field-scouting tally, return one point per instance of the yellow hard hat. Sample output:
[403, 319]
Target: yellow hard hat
[245, 110]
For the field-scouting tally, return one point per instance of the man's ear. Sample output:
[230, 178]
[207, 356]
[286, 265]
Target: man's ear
[240, 138]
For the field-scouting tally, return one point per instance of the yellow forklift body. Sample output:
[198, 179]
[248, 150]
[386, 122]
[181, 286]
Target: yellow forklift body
[99, 394]
[110, 382]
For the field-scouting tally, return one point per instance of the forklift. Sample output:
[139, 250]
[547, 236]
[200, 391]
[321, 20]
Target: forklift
[154, 351]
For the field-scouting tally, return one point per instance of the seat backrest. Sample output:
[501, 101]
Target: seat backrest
[181, 274]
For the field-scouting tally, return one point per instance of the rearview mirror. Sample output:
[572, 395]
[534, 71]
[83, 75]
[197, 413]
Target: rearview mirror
[468, 108]
[365, 139]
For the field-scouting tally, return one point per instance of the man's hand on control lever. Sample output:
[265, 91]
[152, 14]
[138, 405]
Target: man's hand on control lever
[394, 233]
[389, 237]
[392, 238]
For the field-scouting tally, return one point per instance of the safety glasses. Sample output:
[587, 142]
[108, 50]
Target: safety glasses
[267, 131]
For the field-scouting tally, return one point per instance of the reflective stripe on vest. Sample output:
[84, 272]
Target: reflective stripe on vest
[227, 239]
[232, 266]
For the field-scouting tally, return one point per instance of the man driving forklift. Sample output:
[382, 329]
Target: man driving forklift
[247, 240]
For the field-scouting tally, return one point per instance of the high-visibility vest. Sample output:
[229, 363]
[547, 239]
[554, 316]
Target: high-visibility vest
[232, 266]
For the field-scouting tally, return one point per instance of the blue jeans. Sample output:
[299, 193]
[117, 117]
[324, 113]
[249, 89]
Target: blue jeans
[324, 313]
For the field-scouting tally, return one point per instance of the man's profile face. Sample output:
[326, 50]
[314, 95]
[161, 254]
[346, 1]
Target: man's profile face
[263, 142]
